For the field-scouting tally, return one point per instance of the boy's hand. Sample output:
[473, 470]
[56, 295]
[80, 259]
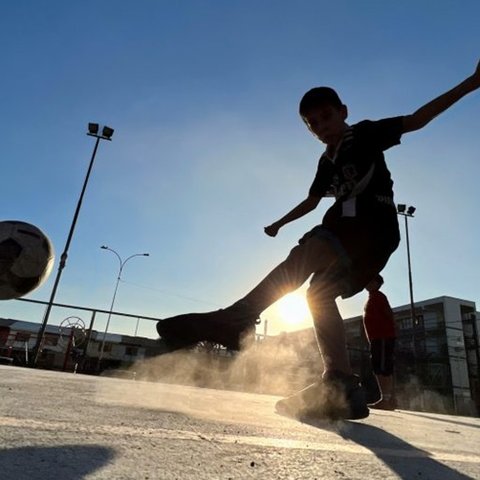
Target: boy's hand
[432, 109]
[272, 230]
[476, 76]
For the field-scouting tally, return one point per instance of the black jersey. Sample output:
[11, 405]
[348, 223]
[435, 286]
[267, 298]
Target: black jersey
[357, 174]
[363, 217]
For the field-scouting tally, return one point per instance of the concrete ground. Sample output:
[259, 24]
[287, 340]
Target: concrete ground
[63, 426]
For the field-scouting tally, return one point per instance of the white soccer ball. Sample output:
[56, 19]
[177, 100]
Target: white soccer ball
[26, 258]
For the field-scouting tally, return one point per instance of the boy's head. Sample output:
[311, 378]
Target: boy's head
[319, 97]
[375, 283]
[324, 114]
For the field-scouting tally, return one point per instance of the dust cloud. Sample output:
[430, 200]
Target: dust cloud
[275, 367]
[270, 367]
[413, 395]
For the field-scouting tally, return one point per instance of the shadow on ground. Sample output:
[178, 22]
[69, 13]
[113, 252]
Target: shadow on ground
[72, 462]
[439, 419]
[402, 458]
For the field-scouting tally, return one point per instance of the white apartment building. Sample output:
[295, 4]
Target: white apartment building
[437, 354]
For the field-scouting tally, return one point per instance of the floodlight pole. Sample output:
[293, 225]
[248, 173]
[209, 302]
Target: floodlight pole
[406, 213]
[410, 281]
[63, 257]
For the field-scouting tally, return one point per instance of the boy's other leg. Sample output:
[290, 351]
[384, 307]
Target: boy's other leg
[329, 326]
[339, 393]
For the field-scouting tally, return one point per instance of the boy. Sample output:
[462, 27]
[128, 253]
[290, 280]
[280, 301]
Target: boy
[379, 327]
[358, 234]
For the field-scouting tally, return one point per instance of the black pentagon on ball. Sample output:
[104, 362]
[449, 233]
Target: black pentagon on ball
[23, 285]
[29, 233]
[10, 249]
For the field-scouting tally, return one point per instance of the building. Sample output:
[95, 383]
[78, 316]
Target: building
[437, 355]
[71, 348]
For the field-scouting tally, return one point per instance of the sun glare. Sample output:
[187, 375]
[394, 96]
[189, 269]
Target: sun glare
[293, 309]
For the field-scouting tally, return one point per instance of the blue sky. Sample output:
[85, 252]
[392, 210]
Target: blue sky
[208, 146]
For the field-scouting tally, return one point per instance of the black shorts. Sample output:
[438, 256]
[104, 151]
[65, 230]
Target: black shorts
[382, 354]
[365, 246]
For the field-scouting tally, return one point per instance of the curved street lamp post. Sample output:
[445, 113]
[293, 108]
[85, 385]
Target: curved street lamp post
[119, 276]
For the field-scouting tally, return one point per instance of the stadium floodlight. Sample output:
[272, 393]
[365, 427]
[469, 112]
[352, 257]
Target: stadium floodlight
[107, 133]
[93, 129]
[405, 210]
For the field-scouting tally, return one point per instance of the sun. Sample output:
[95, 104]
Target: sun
[293, 309]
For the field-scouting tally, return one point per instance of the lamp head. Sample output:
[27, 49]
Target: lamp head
[411, 210]
[401, 207]
[107, 132]
[94, 131]
[93, 128]
[104, 247]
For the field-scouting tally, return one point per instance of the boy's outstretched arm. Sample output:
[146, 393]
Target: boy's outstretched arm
[309, 204]
[429, 111]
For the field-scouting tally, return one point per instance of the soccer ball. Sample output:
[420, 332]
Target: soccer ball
[26, 258]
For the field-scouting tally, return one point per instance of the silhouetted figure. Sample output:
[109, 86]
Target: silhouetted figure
[358, 234]
[379, 326]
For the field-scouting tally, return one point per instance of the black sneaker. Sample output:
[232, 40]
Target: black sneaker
[229, 327]
[337, 396]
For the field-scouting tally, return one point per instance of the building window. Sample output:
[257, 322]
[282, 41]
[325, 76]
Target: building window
[107, 348]
[435, 345]
[22, 337]
[131, 351]
[405, 323]
[4, 334]
[50, 340]
[432, 321]
[439, 375]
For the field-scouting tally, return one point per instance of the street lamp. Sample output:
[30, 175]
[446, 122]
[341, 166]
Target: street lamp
[119, 276]
[406, 212]
[93, 129]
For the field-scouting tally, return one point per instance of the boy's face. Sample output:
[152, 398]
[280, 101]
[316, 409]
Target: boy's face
[327, 123]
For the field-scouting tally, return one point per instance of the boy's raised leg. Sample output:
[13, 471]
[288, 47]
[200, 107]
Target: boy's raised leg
[228, 326]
